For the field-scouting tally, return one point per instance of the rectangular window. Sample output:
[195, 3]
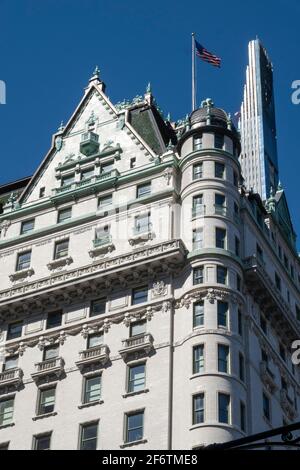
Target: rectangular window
[107, 167]
[198, 275]
[50, 352]
[223, 358]
[23, 260]
[27, 226]
[198, 314]
[92, 389]
[220, 238]
[105, 201]
[264, 357]
[42, 442]
[94, 340]
[297, 312]
[219, 141]
[220, 204]
[87, 174]
[224, 408]
[46, 400]
[67, 180]
[219, 170]
[61, 249]
[133, 162]
[235, 179]
[198, 408]
[136, 378]
[54, 319]
[243, 416]
[222, 314]
[14, 330]
[198, 239]
[139, 295]
[142, 223]
[98, 307]
[266, 407]
[197, 142]
[64, 214]
[88, 436]
[240, 323]
[198, 359]
[286, 262]
[143, 190]
[11, 362]
[6, 411]
[241, 367]
[137, 328]
[282, 352]
[221, 275]
[198, 171]
[238, 283]
[42, 192]
[263, 324]
[134, 426]
[259, 253]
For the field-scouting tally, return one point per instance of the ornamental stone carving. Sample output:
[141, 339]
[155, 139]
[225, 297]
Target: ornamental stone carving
[159, 289]
[4, 226]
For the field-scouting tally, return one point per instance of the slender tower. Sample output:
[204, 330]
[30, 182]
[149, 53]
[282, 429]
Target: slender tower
[258, 125]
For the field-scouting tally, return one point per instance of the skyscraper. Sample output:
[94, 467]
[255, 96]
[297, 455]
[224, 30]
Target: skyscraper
[258, 125]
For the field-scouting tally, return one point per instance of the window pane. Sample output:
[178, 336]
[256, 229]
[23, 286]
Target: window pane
[136, 378]
[66, 180]
[223, 356]
[219, 141]
[61, 249]
[64, 214]
[220, 237]
[197, 143]
[107, 167]
[42, 442]
[54, 319]
[89, 437]
[144, 189]
[11, 363]
[198, 409]
[197, 239]
[224, 403]
[6, 412]
[14, 330]
[198, 359]
[86, 174]
[92, 389]
[23, 260]
[222, 314]
[47, 401]
[198, 317]
[27, 226]
[139, 295]
[221, 275]
[198, 275]
[142, 223]
[105, 201]
[95, 340]
[219, 170]
[51, 352]
[97, 307]
[197, 171]
[137, 328]
[135, 424]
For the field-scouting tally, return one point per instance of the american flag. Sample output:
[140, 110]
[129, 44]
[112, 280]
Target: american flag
[207, 56]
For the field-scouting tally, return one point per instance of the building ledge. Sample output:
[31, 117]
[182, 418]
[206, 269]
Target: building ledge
[132, 394]
[20, 275]
[45, 415]
[134, 443]
[92, 403]
[3, 426]
[59, 263]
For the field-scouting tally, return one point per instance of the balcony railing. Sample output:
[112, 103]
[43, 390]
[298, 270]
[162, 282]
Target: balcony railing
[199, 211]
[102, 240]
[267, 377]
[97, 354]
[270, 298]
[86, 182]
[139, 343]
[220, 210]
[53, 366]
[11, 377]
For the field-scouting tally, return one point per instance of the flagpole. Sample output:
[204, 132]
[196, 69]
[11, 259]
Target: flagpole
[193, 74]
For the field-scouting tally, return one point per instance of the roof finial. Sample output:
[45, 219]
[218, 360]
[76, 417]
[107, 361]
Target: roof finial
[148, 89]
[61, 127]
[169, 117]
[279, 187]
[96, 72]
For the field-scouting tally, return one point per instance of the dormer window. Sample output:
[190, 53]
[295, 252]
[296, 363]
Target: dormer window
[87, 174]
[107, 167]
[89, 143]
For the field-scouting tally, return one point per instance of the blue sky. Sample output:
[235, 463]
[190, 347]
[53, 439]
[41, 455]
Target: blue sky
[50, 47]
